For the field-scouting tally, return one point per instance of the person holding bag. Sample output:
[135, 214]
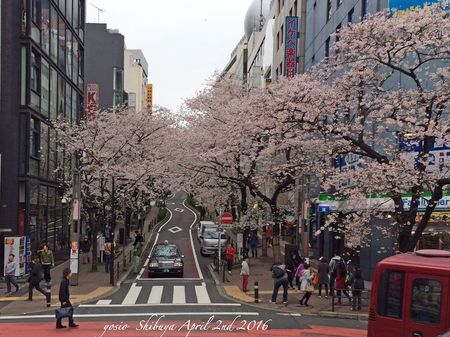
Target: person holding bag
[306, 284]
[66, 309]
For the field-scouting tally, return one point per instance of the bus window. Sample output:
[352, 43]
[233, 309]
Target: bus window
[426, 301]
[390, 293]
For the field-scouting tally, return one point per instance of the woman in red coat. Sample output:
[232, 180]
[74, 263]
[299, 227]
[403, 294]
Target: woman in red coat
[340, 281]
[229, 256]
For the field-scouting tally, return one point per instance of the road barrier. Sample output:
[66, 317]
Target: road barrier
[347, 301]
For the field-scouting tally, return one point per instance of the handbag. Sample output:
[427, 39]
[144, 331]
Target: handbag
[309, 287]
[64, 312]
[316, 279]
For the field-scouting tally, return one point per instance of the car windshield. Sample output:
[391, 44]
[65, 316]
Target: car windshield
[213, 234]
[165, 251]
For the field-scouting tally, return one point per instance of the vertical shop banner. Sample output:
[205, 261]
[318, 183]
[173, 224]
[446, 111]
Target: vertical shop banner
[16, 245]
[291, 43]
[74, 257]
[27, 254]
[92, 100]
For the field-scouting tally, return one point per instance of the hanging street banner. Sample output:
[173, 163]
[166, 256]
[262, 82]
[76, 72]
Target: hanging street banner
[291, 42]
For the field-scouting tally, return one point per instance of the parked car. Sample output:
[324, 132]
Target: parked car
[166, 260]
[204, 224]
[411, 295]
[209, 240]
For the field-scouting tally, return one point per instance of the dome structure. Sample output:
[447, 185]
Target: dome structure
[253, 20]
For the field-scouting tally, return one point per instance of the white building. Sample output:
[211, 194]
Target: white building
[135, 78]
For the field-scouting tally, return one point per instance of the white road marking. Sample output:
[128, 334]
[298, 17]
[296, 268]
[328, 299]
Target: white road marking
[103, 302]
[192, 242]
[158, 305]
[179, 210]
[170, 279]
[136, 314]
[175, 229]
[202, 295]
[132, 294]
[155, 295]
[179, 296]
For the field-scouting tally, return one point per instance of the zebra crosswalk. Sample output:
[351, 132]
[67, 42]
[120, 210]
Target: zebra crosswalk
[144, 294]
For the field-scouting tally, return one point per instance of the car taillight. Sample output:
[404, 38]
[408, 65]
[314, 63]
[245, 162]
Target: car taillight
[178, 264]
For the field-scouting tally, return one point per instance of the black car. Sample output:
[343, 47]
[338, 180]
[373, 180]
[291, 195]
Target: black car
[166, 260]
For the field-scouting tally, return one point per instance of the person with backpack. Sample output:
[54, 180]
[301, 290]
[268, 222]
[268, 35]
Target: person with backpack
[356, 283]
[333, 264]
[280, 279]
[341, 287]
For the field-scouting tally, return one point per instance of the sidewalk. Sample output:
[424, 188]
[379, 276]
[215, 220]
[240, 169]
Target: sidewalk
[260, 272]
[91, 285]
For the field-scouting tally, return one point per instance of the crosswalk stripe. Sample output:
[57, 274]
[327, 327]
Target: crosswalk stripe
[103, 302]
[179, 295]
[132, 295]
[155, 295]
[202, 295]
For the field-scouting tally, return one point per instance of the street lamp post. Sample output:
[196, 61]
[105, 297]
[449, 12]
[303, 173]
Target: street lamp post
[112, 279]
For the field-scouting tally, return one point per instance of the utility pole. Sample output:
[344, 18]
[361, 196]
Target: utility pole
[112, 279]
[219, 243]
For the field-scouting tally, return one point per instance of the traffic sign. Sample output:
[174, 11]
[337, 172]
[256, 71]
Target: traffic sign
[226, 218]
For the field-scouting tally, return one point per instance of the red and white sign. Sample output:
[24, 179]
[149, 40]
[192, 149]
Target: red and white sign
[92, 99]
[226, 218]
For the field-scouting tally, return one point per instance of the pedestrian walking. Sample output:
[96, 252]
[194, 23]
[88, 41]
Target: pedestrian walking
[47, 261]
[64, 298]
[333, 264]
[35, 279]
[107, 254]
[245, 273]
[138, 238]
[323, 270]
[269, 235]
[85, 248]
[356, 282]
[291, 268]
[10, 274]
[298, 273]
[280, 279]
[137, 256]
[229, 257]
[306, 285]
[254, 241]
[341, 287]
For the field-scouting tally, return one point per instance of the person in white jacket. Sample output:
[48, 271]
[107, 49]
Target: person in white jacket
[306, 284]
[245, 273]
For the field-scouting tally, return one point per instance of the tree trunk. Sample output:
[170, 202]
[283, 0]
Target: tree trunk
[264, 243]
[94, 227]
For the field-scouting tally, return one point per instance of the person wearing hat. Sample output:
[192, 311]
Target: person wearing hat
[333, 270]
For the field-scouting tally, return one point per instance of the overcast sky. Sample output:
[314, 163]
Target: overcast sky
[184, 41]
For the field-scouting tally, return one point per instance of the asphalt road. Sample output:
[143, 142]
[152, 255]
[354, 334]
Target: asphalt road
[188, 306]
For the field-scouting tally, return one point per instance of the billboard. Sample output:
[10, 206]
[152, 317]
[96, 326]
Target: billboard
[290, 50]
[149, 95]
[16, 245]
[92, 99]
[403, 5]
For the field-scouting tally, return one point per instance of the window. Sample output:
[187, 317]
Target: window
[279, 6]
[338, 3]
[61, 86]
[44, 151]
[68, 101]
[328, 10]
[426, 301]
[53, 94]
[45, 88]
[69, 53]
[35, 80]
[36, 20]
[350, 15]
[23, 69]
[34, 138]
[118, 99]
[118, 79]
[75, 17]
[69, 10]
[338, 29]
[45, 26]
[390, 293]
[75, 60]
[62, 45]
[327, 47]
[53, 34]
[363, 9]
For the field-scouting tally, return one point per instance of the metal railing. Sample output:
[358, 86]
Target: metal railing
[348, 300]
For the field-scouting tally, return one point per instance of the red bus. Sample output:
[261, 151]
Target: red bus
[411, 295]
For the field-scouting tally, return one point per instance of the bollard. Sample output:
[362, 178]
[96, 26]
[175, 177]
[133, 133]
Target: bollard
[332, 301]
[48, 298]
[256, 292]
[49, 293]
[223, 273]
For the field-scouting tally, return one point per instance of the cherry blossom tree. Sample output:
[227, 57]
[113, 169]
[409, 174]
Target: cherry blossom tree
[383, 98]
[122, 145]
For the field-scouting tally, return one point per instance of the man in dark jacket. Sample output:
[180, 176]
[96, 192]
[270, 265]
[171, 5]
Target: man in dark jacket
[85, 247]
[64, 298]
[35, 278]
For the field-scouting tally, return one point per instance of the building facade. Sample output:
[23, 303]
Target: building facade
[104, 64]
[136, 75]
[42, 80]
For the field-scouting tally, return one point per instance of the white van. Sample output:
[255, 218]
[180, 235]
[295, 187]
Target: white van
[202, 225]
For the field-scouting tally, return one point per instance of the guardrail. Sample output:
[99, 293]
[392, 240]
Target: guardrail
[347, 300]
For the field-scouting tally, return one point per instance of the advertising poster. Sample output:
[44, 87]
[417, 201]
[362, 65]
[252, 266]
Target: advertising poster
[16, 245]
[74, 257]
